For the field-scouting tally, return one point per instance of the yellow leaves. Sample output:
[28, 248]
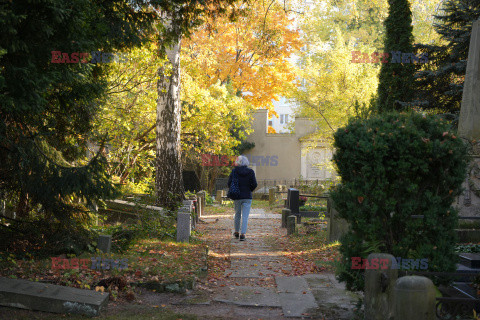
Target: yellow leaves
[250, 54]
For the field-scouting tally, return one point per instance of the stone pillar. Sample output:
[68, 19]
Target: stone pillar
[218, 197]
[201, 203]
[285, 214]
[271, 196]
[469, 121]
[291, 225]
[414, 298]
[183, 225]
[379, 285]
[104, 243]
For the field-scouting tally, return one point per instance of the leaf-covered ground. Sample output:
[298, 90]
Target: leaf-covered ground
[170, 262]
[149, 260]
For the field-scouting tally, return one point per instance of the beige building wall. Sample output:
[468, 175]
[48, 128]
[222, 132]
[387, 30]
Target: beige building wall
[287, 147]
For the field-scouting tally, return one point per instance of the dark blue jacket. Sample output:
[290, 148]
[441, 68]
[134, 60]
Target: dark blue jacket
[246, 181]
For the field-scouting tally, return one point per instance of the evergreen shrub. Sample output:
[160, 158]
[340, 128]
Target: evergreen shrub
[393, 166]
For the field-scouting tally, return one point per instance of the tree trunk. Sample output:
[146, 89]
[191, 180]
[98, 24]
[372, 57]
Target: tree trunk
[169, 180]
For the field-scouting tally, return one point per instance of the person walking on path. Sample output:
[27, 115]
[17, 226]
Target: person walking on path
[246, 182]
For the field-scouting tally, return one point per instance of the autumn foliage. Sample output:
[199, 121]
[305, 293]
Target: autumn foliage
[250, 53]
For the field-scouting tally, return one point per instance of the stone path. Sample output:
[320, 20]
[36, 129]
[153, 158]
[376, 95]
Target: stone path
[317, 295]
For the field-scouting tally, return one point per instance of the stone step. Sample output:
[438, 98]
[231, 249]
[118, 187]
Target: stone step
[295, 296]
[39, 296]
[470, 260]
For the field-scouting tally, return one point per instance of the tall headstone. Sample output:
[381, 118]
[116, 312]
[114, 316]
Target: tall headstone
[469, 122]
[293, 200]
[469, 127]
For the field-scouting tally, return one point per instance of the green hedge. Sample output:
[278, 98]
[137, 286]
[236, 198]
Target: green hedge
[393, 166]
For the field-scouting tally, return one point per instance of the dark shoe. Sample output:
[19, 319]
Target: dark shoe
[235, 234]
[242, 237]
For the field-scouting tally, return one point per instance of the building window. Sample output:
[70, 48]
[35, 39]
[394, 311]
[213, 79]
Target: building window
[286, 118]
[270, 123]
[281, 119]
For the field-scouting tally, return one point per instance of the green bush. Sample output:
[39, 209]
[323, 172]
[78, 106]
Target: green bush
[42, 239]
[208, 199]
[393, 166]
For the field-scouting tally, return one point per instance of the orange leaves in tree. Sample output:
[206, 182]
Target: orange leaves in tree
[250, 53]
[271, 130]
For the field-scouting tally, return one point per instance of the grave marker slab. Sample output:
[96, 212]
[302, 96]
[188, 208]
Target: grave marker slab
[31, 295]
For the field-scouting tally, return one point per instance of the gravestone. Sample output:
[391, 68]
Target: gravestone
[271, 196]
[468, 203]
[293, 202]
[291, 225]
[104, 243]
[31, 295]
[184, 226]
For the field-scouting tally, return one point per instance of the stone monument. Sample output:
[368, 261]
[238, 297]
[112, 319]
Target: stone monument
[468, 203]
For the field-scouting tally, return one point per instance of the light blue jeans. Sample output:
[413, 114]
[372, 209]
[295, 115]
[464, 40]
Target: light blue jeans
[242, 210]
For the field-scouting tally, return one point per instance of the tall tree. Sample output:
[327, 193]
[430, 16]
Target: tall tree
[440, 85]
[46, 108]
[168, 177]
[395, 89]
[252, 53]
[177, 20]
